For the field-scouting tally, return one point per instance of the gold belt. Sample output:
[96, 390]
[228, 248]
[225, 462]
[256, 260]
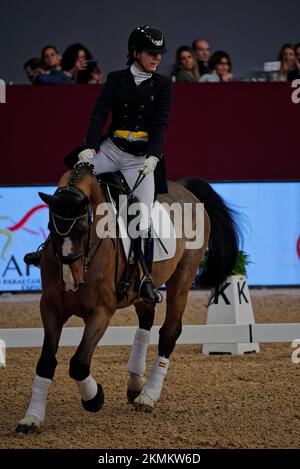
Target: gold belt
[125, 134]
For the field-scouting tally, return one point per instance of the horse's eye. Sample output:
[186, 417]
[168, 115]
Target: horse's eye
[83, 226]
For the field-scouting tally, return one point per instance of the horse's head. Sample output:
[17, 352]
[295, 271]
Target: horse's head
[70, 221]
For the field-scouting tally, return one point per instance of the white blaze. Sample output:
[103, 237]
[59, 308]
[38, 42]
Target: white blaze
[67, 273]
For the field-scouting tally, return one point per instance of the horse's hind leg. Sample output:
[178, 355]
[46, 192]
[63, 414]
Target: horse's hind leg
[177, 294]
[137, 360]
[45, 370]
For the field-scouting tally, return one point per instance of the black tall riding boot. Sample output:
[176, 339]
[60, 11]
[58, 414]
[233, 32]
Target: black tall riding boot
[34, 258]
[147, 290]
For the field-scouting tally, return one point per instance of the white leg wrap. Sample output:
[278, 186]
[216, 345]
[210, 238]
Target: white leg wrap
[137, 360]
[40, 390]
[87, 388]
[153, 386]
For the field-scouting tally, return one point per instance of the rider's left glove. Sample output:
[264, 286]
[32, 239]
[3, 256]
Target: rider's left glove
[86, 156]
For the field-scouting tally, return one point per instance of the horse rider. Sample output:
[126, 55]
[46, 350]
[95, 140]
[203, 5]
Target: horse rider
[140, 100]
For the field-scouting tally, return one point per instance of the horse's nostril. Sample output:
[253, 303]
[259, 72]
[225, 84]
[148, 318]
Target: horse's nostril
[80, 283]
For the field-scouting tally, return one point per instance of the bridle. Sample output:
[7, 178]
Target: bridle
[71, 258]
[55, 218]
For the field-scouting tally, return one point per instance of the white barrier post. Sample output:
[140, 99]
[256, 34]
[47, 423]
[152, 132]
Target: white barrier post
[233, 306]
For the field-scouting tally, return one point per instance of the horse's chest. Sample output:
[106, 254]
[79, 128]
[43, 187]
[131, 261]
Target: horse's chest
[79, 305]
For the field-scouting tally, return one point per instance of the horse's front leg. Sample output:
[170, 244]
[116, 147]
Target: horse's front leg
[45, 370]
[92, 395]
[137, 360]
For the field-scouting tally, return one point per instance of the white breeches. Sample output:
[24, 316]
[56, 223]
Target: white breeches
[110, 158]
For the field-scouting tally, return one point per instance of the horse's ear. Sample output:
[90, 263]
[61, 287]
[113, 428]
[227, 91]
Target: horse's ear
[47, 198]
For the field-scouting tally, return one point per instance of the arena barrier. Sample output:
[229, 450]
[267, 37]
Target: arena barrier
[202, 334]
[251, 109]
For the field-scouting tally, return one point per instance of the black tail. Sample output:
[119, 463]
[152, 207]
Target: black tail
[224, 237]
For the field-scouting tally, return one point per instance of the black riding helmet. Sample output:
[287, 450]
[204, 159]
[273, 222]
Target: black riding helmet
[146, 38]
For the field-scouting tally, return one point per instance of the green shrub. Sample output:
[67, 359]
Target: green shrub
[239, 267]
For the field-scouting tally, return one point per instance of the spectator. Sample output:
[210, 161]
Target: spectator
[295, 74]
[202, 51]
[51, 74]
[219, 68]
[77, 62]
[51, 58]
[38, 75]
[287, 61]
[53, 77]
[186, 65]
[96, 76]
[32, 68]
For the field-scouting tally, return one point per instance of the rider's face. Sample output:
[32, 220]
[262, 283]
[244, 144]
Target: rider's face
[149, 61]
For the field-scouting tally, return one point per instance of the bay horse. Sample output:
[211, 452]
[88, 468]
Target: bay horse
[78, 270]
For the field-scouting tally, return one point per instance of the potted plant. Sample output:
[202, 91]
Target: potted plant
[239, 268]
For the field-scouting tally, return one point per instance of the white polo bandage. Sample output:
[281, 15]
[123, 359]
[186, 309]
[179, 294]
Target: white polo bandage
[87, 388]
[153, 386]
[137, 360]
[40, 390]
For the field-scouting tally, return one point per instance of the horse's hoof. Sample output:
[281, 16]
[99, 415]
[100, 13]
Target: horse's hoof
[95, 404]
[132, 395]
[134, 386]
[29, 424]
[143, 403]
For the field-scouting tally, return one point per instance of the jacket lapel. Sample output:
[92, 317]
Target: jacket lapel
[127, 82]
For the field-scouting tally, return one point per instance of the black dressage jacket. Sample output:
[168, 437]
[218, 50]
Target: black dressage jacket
[136, 108]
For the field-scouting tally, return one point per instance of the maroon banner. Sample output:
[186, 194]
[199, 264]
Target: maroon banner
[222, 131]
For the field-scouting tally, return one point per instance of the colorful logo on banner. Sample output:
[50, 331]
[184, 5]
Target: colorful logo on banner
[23, 227]
[22, 224]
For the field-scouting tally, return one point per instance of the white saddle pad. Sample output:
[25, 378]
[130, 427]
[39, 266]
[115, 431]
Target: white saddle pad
[162, 231]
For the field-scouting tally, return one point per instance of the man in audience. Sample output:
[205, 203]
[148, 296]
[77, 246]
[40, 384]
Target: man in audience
[37, 74]
[33, 67]
[51, 58]
[202, 50]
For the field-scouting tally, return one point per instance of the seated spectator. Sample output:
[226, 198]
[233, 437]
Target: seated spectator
[32, 68]
[202, 51]
[96, 76]
[38, 75]
[287, 61]
[219, 68]
[295, 74]
[53, 77]
[186, 66]
[78, 62]
[51, 58]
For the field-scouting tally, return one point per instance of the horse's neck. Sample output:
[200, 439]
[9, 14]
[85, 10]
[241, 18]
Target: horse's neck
[96, 197]
[96, 194]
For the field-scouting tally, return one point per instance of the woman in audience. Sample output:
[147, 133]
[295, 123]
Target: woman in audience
[187, 69]
[287, 61]
[219, 68]
[78, 62]
[295, 73]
